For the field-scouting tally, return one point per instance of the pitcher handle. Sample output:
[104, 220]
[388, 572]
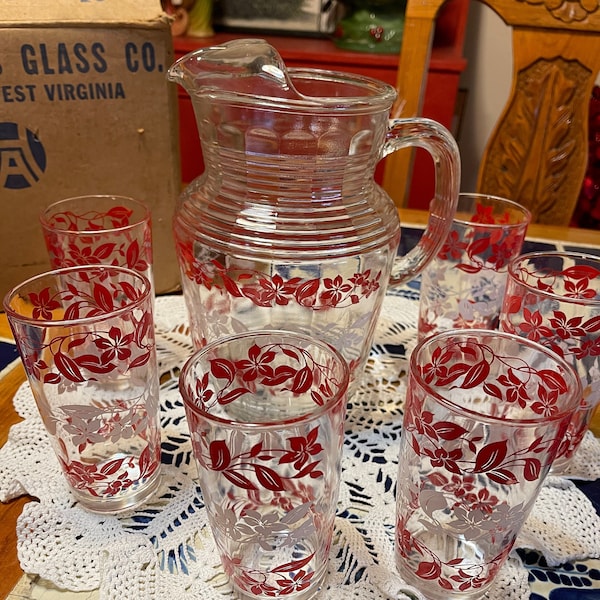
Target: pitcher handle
[441, 145]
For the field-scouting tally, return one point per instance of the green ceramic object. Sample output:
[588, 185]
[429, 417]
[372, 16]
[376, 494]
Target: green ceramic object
[371, 26]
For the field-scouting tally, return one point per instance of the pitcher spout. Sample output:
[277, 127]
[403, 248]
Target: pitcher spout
[244, 67]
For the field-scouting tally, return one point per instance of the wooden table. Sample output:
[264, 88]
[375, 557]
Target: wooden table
[10, 571]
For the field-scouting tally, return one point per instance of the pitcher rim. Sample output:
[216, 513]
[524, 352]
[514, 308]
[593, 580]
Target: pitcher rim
[382, 95]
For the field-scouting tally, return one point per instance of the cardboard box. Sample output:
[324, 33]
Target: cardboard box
[85, 108]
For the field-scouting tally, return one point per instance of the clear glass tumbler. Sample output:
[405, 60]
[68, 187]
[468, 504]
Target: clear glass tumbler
[266, 414]
[554, 298]
[86, 339]
[485, 414]
[99, 229]
[463, 286]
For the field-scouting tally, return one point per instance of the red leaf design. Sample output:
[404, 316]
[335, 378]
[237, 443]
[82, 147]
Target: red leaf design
[222, 368]
[103, 251]
[502, 476]
[119, 215]
[133, 254]
[581, 272]
[143, 328]
[73, 343]
[317, 398]
[468, 350]
[468, 268]
[68, 367]
[415, 445]
[103, 297]
[52, 378]
[476, 375]
[268, 478]
[538, 445]
[553, 380]
[449, 431]
[293, 565]
[592, 325]
[445, 584]
[492, 390]
[429, 570]
[308, 469]
[290, 352]
[220, 457]
[141, 360]
[92, 363]
[512, 304]
[302, 381]
[112, 467]
[478, 246]
[256, 449]
[232, 395]
[239, 480]
[72, 311]
[305, 293]
[455, 371]
[145, 460]
[532, 469]
[490, 456]
[437, 478]
[129, 290]
[231, 286]
[281, 374]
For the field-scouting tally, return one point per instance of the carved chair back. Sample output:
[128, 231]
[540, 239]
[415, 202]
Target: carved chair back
[537, 153]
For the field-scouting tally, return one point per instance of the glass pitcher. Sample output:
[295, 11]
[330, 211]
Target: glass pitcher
[286, 228]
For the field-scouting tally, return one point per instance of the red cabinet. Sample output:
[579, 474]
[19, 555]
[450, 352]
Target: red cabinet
[447, 64]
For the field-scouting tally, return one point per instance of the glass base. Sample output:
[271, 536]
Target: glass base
[315, 588]
[432, 591]
[123, 502]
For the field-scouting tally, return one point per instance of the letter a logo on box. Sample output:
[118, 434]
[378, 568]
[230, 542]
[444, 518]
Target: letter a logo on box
[22, 157]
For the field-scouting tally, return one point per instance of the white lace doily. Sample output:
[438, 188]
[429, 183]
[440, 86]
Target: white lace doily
[165, 550]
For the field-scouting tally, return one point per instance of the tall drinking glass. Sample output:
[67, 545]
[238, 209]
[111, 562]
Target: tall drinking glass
[86, 339]
[484, 417]
[554, 298]
[463, 286]
[99, 229]
[266, 414]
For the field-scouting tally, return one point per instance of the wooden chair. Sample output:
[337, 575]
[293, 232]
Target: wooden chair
[537, 153]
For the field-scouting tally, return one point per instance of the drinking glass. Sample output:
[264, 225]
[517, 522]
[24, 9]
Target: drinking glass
[484, 416]
[266, 414]
[463, 286]
[99, 229]
[86, 339]
[554, 298]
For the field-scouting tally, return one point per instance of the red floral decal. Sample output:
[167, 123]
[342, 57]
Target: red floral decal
[241, 375]
[113, 476]
[465, 472]
[89, 250]
[467, 365]
[574, 337]
[491, 248]
[302, 453]
[291, 578]
[237, 378]
[268, 291]
[106, 350]
[269, 480]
